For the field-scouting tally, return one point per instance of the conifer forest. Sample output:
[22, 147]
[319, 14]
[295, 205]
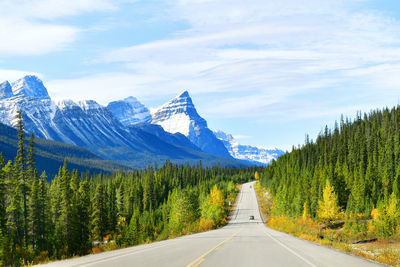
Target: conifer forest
[350, 174]
[48, 218]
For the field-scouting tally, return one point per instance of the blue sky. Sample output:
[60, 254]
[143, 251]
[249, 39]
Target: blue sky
[266, 71]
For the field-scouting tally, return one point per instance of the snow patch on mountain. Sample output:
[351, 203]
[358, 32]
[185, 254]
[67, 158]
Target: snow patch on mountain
[5, 90]
[89, 105]
[179, 123]
[179, 115]
[30, 85]
[130, 111]
[246, 152]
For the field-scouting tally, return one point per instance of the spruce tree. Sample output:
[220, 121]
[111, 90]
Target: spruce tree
[22, 175]
[84, 217]
[99, 216]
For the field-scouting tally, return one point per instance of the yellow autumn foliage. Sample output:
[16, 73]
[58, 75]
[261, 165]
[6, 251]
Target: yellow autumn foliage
[256, 175]
[375, 214]
[328, 208]
[217, 197]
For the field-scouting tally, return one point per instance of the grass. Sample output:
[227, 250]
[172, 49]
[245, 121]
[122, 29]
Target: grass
[383, 251]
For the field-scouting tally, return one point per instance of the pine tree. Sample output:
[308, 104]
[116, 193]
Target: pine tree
[14, 211]
[112, 208]
[3, 197]
[45, 223]
[63, 211]
[21, 168]
[36, 206]
[84, 217]
[99, 216]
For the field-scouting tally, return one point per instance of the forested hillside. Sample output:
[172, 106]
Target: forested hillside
[49, 155]
[350, 172]
[76, 214]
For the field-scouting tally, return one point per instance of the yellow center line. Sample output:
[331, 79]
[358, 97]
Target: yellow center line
[200, 259]
[198, 263]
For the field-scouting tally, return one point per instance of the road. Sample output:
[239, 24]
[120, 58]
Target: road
[242, 242]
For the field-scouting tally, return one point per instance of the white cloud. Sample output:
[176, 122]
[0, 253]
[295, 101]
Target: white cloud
[52, 9]
[103, 88]
[12, 75]
[269, 53]
[19, 37]
[29, 27]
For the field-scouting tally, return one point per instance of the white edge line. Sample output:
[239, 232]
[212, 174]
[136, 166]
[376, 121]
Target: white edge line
[118, 256]
[289, 249]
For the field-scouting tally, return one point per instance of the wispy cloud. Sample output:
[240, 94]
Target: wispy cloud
[261, 60]
[31, 27]
[269, 53]
[12, 75]
[20, 37]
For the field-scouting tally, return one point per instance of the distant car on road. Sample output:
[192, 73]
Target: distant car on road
[251, 217]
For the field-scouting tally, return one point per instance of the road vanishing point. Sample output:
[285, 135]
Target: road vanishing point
[242, 242]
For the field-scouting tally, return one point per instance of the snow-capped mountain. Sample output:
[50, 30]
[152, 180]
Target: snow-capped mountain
[85, 123]
[5, 90]
[30, 86]
[180, 116]
[92, 126]
[129, 111]
[246, 152]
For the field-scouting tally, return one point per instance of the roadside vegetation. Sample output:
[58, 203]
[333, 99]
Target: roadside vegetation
[343, 190]
[78, 213]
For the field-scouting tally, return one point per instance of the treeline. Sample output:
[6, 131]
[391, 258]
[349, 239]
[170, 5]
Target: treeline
[77, 213]
[353, 168]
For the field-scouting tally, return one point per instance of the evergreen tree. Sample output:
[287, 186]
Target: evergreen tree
[99, 216]
[84, 218]
[62, 215]
[22, 175]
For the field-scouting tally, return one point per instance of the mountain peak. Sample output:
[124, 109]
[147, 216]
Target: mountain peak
[129, 111]
[5, 90]
[89, 105]
[184, 94]
[179, 115]
[66, 104]
[249, 153]
[182, 111]
[131, 99]
[30, 85]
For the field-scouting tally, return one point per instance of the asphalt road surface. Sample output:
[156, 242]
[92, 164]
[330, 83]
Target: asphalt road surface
[242, 242]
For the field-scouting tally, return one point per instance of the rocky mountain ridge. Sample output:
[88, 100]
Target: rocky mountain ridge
[124, 130]
[92, 126]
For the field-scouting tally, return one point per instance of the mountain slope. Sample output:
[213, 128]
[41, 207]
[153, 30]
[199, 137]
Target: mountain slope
[176, 139]
[94, 127]
[50, 155]
[246, 152]
[180, 116]
[129, 111]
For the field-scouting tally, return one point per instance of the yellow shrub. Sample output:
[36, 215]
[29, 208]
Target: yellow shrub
[283, 224]
[205, 225]
[390, 257]
[96, 250]
[375, 214]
